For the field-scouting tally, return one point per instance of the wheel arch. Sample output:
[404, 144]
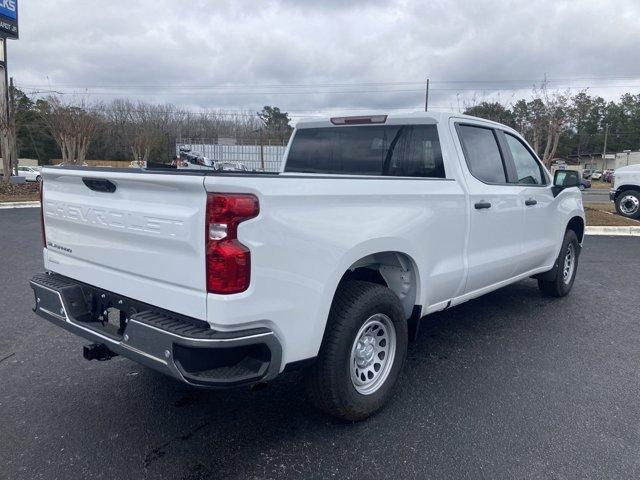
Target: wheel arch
[394, 269]
[625, 187]
[577, 225]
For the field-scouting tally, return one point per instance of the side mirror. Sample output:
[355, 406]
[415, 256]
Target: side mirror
[565, 179]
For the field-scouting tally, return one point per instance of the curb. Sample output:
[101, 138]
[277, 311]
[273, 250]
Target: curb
[8, 205]
[614, 231]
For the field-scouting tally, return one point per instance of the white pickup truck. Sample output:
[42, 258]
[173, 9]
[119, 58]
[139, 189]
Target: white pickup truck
[222, 279]
[626, 191]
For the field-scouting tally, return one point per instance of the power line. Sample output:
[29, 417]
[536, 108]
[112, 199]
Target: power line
[334, 84]
[324, 92]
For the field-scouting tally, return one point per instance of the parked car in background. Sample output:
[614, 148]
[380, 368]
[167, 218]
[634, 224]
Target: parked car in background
[626, 191]
[30, 174]
[584, 184]
[586, 173]
[596, 175]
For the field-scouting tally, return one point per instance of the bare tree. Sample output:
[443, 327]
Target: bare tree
[554, 119]
[148, 128]
[72, 126]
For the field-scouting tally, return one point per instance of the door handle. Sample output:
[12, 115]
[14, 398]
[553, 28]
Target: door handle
[531, 202]
[482, 204]
[99, 184]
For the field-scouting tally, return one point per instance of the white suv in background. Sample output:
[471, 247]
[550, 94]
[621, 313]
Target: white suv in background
[626, 191]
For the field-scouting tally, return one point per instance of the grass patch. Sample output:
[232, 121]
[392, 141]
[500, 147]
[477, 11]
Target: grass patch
[604, 215]
[23, 192]
[19, 198]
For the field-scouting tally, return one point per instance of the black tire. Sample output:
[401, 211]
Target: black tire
[560, 285]
[328, 382]
[38, 179]
[627, 196]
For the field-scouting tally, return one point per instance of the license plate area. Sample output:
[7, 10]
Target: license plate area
[112, 322]
[65, 300]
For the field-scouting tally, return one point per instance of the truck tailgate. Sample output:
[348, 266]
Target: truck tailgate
[144, 240]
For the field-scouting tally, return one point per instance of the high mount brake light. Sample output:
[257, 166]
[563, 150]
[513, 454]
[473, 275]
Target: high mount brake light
[361, 120]
[228, 261]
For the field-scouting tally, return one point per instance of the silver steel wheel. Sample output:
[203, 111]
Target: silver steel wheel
[629, 204]
[372, 354]
[569, 264]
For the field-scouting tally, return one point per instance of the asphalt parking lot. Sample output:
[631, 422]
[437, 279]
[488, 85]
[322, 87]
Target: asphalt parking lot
[512, 385]
[594, 195]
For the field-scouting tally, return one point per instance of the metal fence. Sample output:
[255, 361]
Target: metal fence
[267, 158]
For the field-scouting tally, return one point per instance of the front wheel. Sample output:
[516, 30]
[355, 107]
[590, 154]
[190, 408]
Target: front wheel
[564, 269]
[362, 353]
[628, 204]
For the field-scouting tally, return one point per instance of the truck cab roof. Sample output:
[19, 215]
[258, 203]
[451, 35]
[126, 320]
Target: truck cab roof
[417, 117]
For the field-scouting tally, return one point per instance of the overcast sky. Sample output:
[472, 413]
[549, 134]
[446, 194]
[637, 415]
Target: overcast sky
[300, 55]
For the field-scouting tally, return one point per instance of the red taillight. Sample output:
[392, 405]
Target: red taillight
[40, 192]
[228, 261]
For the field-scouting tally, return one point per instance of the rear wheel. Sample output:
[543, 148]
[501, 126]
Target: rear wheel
[362, 353]
[564, 269]
[628, 204]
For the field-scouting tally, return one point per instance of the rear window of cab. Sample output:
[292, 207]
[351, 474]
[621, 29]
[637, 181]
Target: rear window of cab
[380, 150]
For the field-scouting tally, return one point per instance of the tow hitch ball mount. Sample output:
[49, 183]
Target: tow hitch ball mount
[97, 351]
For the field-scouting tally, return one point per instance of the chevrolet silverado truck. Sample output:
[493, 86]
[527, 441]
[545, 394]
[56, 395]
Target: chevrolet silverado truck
[223, 279]
[626, 191]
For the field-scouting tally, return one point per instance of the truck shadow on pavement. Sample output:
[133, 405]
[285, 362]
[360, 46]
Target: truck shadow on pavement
[453, 347]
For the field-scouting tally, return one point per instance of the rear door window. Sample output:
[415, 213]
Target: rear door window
[388, 150]
[482, 153]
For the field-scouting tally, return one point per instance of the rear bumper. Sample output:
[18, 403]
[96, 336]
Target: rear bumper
[182, 347]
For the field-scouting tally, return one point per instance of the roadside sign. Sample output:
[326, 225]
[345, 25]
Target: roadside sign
[9, 18]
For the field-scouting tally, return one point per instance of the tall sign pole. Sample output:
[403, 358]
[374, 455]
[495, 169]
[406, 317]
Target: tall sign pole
[8, 30]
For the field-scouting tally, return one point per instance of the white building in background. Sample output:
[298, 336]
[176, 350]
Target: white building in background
[611, 160]
[623, 159]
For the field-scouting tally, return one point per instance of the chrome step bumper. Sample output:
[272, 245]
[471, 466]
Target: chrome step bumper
[182, 347]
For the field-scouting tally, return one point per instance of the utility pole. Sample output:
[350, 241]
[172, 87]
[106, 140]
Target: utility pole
[8, 30]
[12, 111]
[5, 137]
[426, 97]
[604, 149]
